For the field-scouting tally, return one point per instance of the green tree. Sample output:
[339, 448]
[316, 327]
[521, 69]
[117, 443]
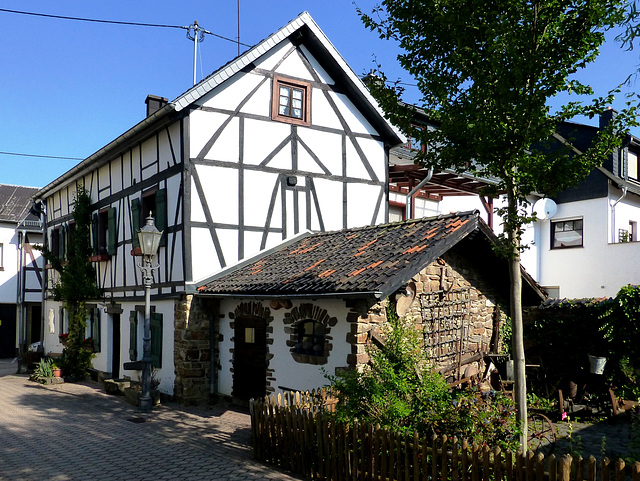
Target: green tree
[76, 285]
[486, 70]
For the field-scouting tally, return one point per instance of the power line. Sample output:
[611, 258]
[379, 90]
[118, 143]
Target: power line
[117, 22]
[62, 17]
[40, 156]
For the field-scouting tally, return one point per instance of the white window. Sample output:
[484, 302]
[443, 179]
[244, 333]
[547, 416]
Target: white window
[632, 165]
[566, 233]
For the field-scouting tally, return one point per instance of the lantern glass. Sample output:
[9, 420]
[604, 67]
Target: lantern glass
[149, 237]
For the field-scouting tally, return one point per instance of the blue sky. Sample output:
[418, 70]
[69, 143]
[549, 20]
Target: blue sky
[68, 88]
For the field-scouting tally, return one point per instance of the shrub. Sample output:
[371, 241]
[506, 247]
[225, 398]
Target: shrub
[401, 390]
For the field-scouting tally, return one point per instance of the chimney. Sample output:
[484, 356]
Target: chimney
[606, 117]
[155, 103]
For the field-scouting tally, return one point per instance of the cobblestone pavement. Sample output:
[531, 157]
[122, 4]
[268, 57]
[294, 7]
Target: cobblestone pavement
[77, 432]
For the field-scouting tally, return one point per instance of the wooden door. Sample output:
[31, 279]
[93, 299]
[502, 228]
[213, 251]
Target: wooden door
[249, 359]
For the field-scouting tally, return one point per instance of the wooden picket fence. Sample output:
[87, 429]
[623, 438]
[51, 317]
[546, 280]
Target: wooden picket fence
[297, 432]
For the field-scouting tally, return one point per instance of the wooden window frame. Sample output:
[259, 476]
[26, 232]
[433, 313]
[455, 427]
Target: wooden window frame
[279, 81]
[104, 235]
[158, 197]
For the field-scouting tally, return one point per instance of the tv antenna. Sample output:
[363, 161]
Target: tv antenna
[197, 36]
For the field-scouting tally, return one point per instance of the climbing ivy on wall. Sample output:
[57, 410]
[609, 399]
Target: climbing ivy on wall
[76, 285]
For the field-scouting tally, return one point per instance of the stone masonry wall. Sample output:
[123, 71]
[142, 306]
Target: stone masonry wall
[447, 273]
[192, 351]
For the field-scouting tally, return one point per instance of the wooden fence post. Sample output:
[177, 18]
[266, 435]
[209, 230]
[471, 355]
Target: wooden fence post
[565, 468]
[591, 469]
[635, 471]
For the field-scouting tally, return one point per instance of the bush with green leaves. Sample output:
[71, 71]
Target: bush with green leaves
[400, 389]
[562, 337]
[43, 370]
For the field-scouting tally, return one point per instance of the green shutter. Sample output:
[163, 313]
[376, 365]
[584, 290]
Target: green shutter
[95, 334]
[95, 236]
[161, 214]
[133, 336]
[156, 340]
[63, 242]
[112, 240]
[135, 222]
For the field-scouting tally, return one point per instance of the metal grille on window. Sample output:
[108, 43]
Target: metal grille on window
[445, 317]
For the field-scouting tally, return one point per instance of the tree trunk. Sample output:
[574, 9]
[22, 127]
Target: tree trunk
[520, 387]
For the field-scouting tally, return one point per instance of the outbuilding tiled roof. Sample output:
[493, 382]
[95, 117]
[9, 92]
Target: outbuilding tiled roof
[15, 202]
[374, 260]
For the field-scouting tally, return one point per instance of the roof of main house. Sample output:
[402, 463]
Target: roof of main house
[366, 261]
[303, 29]
[15, 202]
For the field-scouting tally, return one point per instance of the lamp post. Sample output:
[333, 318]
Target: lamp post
[149, 237]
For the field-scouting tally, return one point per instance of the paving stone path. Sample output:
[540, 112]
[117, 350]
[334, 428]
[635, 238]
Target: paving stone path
[77, 432]
[611, 438]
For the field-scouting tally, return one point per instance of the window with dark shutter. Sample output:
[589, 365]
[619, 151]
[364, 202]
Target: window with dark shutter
[135, 222]
[156, 340]
[112, 234]
[152, 202]
[133, 336]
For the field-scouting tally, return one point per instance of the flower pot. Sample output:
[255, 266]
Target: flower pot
[57, 372]
[596, 364]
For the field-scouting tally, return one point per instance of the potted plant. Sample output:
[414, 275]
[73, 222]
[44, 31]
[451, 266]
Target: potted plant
[64, 338]
[56, 369]
[43, 373]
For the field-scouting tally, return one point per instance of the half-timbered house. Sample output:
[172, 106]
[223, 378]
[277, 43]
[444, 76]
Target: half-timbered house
[283, 139]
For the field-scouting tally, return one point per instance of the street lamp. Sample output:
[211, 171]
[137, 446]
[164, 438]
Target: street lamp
[149, 238]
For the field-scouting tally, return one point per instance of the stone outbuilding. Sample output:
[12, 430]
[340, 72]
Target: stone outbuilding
[285, 319]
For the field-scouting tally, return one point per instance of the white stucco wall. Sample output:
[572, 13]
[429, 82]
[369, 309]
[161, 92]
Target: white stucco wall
[103, 359]
[287, 372]
[9, 271]
[578, 271]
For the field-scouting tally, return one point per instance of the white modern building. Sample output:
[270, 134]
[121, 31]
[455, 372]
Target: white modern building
[585, 249]
[21, 270]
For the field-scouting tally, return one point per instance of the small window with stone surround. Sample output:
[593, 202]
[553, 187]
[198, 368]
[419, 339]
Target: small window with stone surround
[309, 329]
[310, 338]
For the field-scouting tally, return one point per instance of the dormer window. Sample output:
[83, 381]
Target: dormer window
[291, 101]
